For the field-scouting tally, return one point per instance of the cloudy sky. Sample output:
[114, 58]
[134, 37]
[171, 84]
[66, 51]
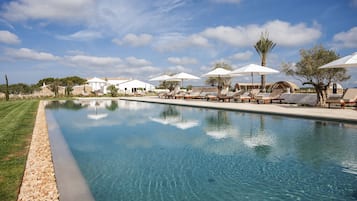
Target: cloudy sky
[140, 39]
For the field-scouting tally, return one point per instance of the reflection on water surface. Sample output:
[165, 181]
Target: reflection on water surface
[140, 151]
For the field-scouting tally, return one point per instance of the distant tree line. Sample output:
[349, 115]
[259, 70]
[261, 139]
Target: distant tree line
[52, 83]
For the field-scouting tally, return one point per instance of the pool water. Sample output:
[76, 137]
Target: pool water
[130, 150]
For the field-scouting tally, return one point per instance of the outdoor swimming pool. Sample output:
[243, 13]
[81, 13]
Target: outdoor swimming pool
[130, 150]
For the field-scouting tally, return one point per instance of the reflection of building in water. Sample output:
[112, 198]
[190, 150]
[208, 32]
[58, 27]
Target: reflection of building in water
[96, 104]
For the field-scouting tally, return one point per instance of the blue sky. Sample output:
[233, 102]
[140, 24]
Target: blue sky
[140, 39]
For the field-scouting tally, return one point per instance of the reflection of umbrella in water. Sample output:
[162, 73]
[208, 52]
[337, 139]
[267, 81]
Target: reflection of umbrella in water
[185, 124]
[97, 116]
[176, 121]
[171, 116]
[219, 125]
[261, 143]
[221, 133]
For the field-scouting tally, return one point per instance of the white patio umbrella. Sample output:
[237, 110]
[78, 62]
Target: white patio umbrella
[344, 62]
[182, 76]
[218, 72]
[253, 69]
[161, 78]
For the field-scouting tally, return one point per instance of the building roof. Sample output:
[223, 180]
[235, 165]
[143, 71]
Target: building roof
[95, 79]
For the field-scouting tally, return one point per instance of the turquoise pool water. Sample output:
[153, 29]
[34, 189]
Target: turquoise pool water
[140, 151]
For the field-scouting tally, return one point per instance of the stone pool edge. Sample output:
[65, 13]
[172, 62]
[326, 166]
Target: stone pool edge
[39, 182]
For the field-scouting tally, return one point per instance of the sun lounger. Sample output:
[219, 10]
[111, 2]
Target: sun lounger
[273, 96]
[229, 96]
[247, 96]
[217, 96]
[299, 98]
[349, 97]
[201, 92]
[180, 95]
[193, 94]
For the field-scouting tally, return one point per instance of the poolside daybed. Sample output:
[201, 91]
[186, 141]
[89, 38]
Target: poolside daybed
[349, 97]
[270, 98]
[247, 96]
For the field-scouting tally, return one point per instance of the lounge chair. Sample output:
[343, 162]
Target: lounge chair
[349, 97]
[247, 96]
[172, 93]
[195, 93]
[275, 95]
[229, 96]
[180, 94]
[217, 96]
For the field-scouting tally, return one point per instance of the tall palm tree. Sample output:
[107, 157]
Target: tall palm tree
[263, 47]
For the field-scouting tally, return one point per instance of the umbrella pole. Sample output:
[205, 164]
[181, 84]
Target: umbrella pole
[252, 80]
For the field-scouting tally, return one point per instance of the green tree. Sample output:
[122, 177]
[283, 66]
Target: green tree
[69, 86]
[263, 47]
[55, 87]
[308, 72]
[7, 88]
[220, 81]
[46, 81]
[113, 90]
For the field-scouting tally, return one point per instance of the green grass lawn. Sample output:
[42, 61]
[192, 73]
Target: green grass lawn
[17, 120]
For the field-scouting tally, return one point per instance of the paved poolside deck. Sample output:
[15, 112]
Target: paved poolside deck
[330, 114]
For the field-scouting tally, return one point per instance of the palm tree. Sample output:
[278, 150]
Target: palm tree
[263, 47]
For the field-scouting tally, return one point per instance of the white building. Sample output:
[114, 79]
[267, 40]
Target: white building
[98, 85]
[133, 86]
[123, 86]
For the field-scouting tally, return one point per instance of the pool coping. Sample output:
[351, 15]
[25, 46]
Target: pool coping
[347, 115]
[39, 182]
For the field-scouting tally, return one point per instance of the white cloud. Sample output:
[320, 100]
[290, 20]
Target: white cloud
[177, 41]
[8, 38]
[282, 33]
[182, 61]
[178, 68]
[134, 40]
[133, 61]
[83, 35]
[197, 40]
[92, 61]
[141, 72]
[242, 55]
[346, 39]
[29, 54]
[68, 10]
